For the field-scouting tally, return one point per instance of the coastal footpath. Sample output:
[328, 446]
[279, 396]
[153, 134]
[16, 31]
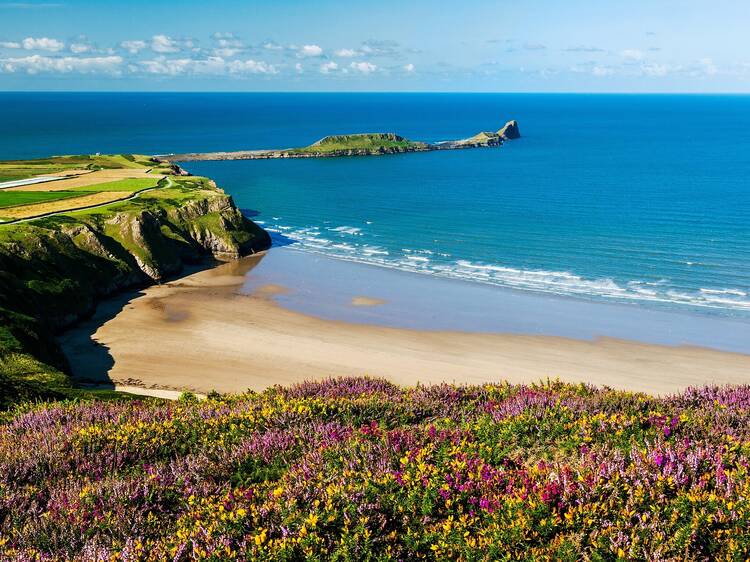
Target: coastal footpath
[360, 144]
[54, 269]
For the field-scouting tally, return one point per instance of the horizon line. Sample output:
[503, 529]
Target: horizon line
[355, 92]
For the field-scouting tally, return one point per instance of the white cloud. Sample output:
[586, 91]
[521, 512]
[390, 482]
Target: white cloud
[601, 71]
[227, 45]
[584, 49]
[310, 51]
[207, 66]
[709, 68]
[271, 46]
[653, 69]
[363, 67]
[327, 67]
[227, 52]
[347, 53]
[229, 42]
[251, 66]
[409, 67]
[632, 54]
[10, 45]
[164, 44]
[78, 48]
[175, 67]
[42, 44]
[133, 47]
[381, 48]
[35, 64]
[298, 68]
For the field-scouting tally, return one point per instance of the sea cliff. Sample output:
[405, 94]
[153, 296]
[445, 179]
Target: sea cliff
[54, 270]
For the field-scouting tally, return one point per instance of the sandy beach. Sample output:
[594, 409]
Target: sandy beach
[200, 333]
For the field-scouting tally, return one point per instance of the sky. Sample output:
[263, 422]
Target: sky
[592, 46]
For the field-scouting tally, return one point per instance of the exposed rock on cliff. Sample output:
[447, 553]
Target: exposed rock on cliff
[510, 131]
[57, 268]
[54, 270]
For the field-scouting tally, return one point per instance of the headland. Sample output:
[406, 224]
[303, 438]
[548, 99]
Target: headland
[82, 228]
[359, 144]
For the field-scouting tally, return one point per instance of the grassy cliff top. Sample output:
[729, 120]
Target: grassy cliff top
[11, 170]
[103, 223]
[47, 186]
[362, 142]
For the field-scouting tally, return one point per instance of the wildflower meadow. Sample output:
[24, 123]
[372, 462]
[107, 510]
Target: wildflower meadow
[360, 469]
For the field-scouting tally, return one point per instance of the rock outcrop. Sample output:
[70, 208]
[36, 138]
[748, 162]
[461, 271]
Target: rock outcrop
[510, 131]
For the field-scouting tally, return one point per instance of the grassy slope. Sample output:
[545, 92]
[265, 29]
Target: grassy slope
[366, 142]
[54, 269]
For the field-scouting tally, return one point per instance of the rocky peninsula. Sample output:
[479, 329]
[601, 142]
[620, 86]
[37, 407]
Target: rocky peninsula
[359, 144]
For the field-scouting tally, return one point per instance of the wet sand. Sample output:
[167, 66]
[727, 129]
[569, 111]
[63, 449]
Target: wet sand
[201, 333]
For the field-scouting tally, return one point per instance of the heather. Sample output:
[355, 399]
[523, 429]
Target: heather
[359, 469]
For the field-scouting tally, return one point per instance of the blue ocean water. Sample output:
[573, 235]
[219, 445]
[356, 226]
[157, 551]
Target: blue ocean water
[640, 199]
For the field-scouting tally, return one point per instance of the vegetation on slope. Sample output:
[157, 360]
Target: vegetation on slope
[53, 270]
[370, 143]
[358, 469]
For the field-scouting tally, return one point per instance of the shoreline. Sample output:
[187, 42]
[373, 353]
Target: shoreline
[687, 304]
[211, 331]
[421, 301]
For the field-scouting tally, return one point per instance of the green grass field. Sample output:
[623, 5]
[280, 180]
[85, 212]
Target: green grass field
[131, 184]
[12, 170]
[17, 198]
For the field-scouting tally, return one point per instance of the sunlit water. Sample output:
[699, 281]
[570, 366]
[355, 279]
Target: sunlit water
[630, 199]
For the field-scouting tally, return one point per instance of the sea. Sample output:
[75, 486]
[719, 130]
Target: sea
[638, 200]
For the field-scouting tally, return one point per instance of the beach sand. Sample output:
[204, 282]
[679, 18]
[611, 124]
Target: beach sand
[200, 333]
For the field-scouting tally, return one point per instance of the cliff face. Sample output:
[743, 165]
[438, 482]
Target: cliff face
[510, 131]
[53, 271]
[56, 269]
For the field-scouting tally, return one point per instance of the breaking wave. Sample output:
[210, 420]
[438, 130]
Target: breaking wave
[347, 242]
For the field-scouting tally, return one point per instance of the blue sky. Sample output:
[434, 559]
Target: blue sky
[415, 45]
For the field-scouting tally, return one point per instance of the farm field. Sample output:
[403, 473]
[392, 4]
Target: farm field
[79, 200]
[90, 179]
[16, 198]
[105, 179]
[21, 169]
